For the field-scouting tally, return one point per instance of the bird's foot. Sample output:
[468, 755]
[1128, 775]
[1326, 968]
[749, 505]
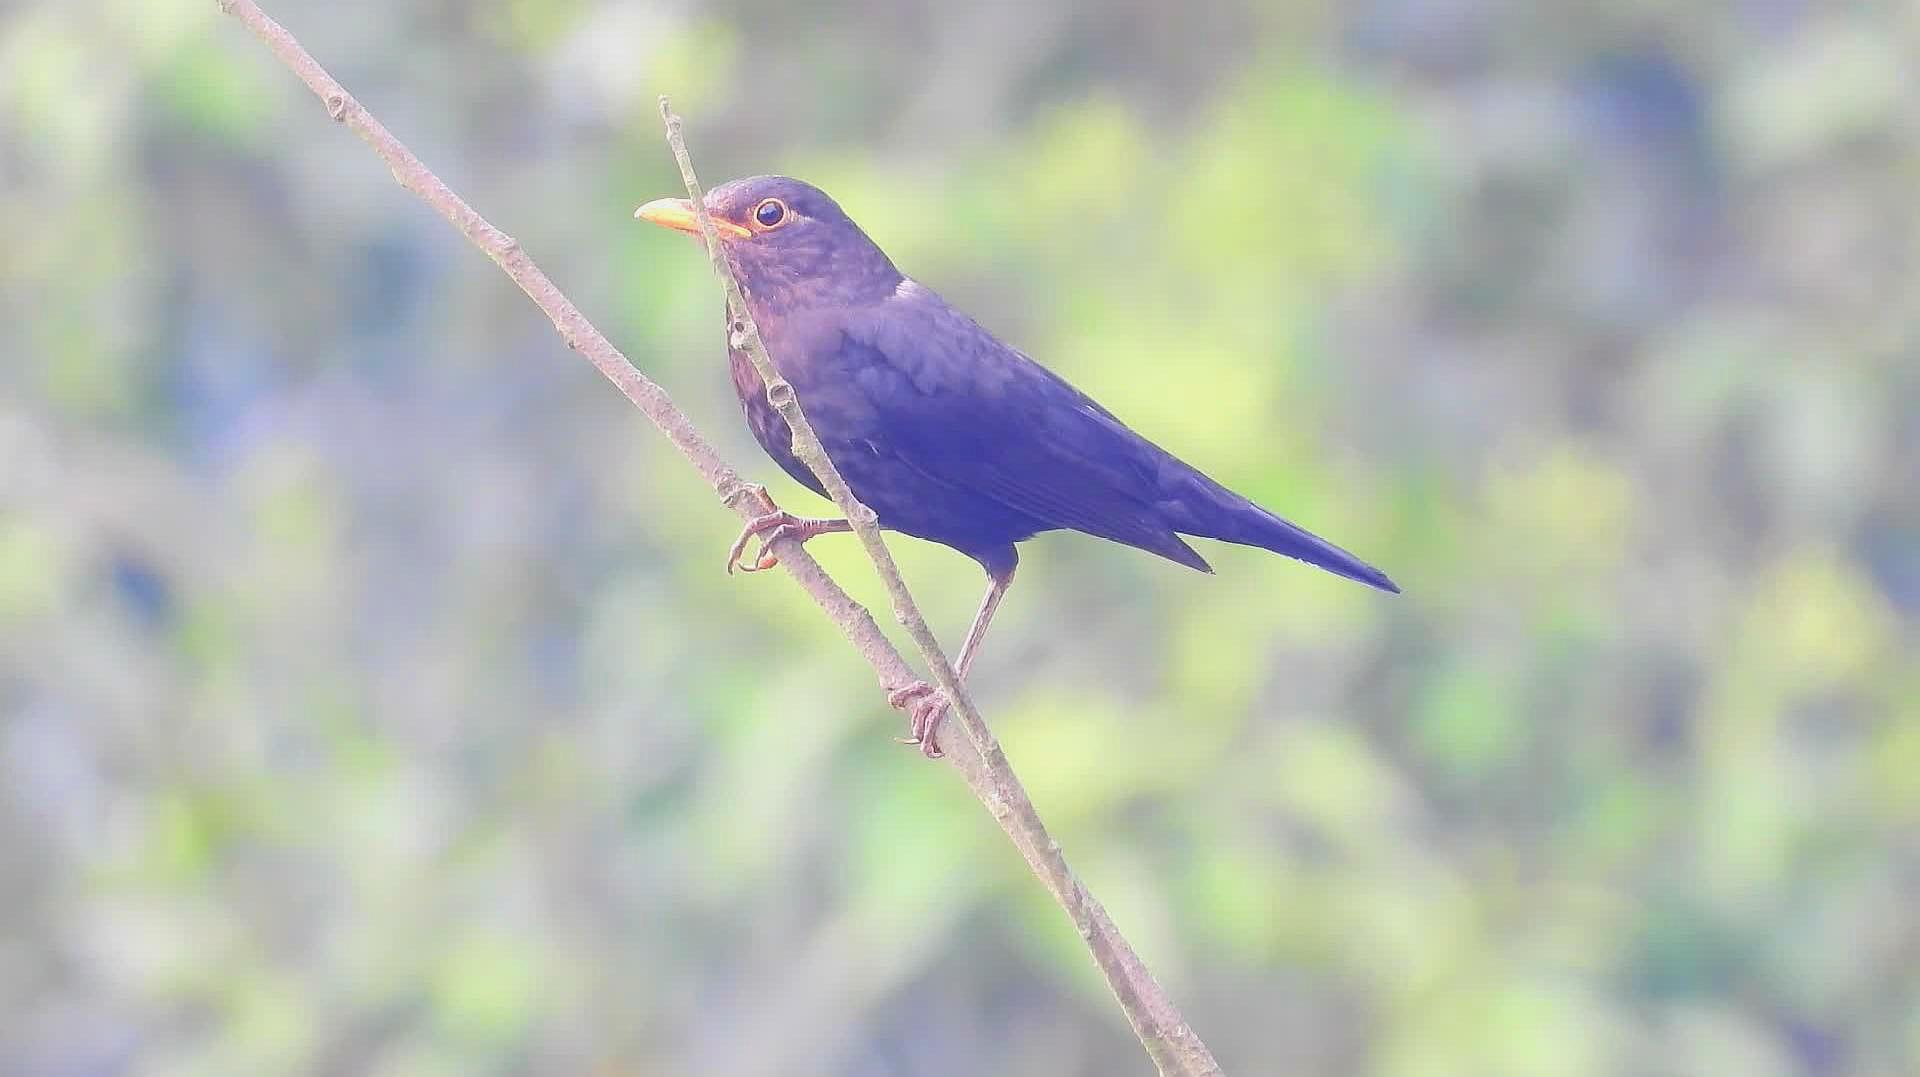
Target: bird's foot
[926, 707]
[769, 529]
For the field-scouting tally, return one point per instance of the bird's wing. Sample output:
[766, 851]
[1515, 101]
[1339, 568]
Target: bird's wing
[966, 410]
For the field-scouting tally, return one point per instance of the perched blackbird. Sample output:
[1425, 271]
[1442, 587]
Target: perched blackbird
[944, 431]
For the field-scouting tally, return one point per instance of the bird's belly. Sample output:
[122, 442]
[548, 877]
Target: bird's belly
[766, 423]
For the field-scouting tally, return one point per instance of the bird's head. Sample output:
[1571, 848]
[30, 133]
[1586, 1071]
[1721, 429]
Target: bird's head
[786, 240]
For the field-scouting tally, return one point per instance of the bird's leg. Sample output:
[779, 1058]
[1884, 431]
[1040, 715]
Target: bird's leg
[770, 529]
[926, 707]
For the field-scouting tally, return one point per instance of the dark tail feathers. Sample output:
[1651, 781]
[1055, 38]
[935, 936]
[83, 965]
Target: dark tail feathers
[1241, 521]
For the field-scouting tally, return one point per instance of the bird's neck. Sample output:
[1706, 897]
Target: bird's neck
[813, 279]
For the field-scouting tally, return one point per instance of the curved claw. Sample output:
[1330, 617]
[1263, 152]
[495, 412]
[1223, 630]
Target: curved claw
[766, 527]
[925, 707]
[767, 560]
[770, 528]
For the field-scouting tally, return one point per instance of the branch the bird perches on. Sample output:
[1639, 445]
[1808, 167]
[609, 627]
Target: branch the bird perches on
[1171, 1043]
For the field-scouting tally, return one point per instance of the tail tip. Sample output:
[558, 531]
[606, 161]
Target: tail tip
[1361, 572]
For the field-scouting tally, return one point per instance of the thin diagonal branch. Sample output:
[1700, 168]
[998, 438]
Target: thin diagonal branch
[1172, 1044]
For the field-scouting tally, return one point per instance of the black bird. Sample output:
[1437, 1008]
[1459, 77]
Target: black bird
[944, 431]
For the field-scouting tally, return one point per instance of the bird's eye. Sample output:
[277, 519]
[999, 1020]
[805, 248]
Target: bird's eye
[770, 213]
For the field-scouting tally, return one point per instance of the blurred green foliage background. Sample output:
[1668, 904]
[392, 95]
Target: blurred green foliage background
[371, 700]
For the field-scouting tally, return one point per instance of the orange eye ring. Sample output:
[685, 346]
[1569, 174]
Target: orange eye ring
[770, 213]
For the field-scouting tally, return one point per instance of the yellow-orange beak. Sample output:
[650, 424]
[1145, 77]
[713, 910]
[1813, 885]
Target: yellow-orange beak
[678, 214]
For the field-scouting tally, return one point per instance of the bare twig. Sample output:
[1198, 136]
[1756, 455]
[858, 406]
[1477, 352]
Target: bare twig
[1172, 1044]
[745, 335]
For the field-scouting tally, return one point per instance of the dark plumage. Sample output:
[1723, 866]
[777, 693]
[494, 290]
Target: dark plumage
[944, 431]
